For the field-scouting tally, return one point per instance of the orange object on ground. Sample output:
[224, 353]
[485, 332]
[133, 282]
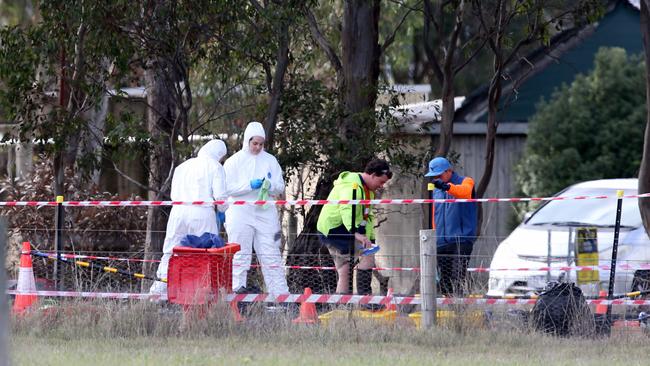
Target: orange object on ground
[308, 313]
[235, 312]
[601, 308]
[391, 305]
[26, 282]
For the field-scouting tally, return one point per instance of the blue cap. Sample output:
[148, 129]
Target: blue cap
[437, 166]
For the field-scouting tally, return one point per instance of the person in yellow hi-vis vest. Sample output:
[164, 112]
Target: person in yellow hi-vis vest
[335, 224]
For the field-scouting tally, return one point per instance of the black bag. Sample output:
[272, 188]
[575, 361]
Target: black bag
[559, 309]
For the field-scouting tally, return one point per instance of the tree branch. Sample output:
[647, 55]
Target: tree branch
[428, 50]
[391, 38]
[132, 180]
[322, 42]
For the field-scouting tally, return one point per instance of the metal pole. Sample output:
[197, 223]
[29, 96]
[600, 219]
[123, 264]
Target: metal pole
[431, 225]
[428, 274]
[4, 309]
[353, 230]
[58, 243]
[548, 258]
[568, 252]
[612, 273]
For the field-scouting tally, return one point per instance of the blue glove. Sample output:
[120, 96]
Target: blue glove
[441, 185]
[256, 183]
[221, 217]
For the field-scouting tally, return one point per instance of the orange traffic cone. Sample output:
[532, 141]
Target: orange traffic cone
[391, 305]
[235, 312]
[308, 313]
[26, 282]
[601, 308]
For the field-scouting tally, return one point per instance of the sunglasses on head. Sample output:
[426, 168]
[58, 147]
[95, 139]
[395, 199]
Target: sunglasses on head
[386, 172]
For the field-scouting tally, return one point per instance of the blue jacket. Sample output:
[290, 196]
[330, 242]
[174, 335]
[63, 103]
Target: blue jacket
[456, 222]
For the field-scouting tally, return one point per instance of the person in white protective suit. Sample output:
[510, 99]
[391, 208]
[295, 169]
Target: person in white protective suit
[251, 174]
[197, 179]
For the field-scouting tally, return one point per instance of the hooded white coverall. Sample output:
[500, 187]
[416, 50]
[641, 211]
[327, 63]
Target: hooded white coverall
[197, 179]
[254, 225]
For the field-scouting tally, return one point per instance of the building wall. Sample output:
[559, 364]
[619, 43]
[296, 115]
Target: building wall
[398, 234]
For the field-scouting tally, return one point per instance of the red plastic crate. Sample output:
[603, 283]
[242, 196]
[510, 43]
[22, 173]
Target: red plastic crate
[195, 275]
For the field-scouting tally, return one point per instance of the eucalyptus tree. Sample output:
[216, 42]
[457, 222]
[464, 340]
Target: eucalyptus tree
[334, 120]
[451, 42]
[644, 170]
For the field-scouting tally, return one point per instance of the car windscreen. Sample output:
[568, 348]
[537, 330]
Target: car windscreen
[595, 212]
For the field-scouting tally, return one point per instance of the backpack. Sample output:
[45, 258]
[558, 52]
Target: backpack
[560, 309]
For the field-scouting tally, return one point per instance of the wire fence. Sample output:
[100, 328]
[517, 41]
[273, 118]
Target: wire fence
[103, 252]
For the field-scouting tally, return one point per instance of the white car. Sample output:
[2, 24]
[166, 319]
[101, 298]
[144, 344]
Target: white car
[546, 238]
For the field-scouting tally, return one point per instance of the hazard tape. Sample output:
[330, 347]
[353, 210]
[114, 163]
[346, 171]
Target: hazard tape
[98, 295]
[397, 201]
[403, 269]
[406, 300]
[564, 268]
[325, 299]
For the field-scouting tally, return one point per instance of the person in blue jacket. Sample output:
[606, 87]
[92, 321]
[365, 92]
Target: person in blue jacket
[455, 224]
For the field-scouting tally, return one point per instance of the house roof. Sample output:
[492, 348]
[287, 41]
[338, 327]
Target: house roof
[548, 67]
[417, 114]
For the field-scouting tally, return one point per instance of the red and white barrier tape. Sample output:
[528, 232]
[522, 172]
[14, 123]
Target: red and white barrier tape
[325, 299]
[406, 300]
[99, 295]
[396, 201]
[404, 269]
[480, 269]
[564, 268]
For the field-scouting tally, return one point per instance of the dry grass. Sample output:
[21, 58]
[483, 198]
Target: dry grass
[142, 334]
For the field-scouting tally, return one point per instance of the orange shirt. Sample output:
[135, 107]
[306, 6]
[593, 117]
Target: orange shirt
[463, 190]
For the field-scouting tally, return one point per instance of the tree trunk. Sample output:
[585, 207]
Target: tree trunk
[357, 87]
[644, 169]
[494, 95]
[92, 140]
[360, 71]
[278, 85]
[308, 251]
[161, 114]
[447, 120]
[444, 68]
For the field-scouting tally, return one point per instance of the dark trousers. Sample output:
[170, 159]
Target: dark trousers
[452, 267]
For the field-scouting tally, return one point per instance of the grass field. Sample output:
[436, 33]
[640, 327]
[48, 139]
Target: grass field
[142, 335]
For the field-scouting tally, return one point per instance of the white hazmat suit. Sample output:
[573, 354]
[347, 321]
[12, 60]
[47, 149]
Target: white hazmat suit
[197, 179]
[254, 225]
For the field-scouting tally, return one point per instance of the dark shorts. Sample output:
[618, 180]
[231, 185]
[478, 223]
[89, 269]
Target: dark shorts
[339, 238]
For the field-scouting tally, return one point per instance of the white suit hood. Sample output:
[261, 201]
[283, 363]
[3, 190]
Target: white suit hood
[253, 129]
[214, 149]
[201, 178]
[243, 166]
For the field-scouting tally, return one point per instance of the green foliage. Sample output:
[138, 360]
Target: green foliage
[75, 47]
[591, 129]
[308, 134]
